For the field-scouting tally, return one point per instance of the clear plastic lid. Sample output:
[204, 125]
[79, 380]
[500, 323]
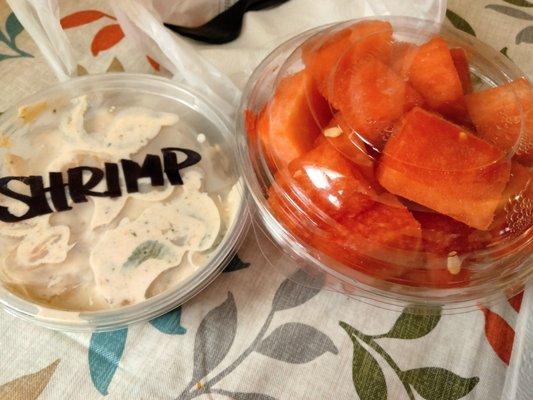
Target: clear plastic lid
[119, 198]
[395, 156]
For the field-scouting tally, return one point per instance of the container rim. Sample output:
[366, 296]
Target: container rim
[396, 295]
[105, 320]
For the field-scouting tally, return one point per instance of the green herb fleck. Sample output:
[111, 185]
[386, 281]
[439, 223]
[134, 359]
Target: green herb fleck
[145, 251]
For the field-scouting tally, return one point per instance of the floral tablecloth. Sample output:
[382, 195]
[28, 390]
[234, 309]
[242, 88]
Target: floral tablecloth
[254, 334]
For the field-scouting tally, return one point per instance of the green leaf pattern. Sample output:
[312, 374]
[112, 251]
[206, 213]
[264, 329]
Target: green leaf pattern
[367, 375]
[525, 35]
[432, 383]
[511, 12]
[12, 29]
[439, 383]
[519, 3]
[414, 323]
[459, 22]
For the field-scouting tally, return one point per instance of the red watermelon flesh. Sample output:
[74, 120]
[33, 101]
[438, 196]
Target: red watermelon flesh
[291, 121]
[437, 164]
[504, 116]
[444, 238]
[433, 74]
[387, 225]
[442, 235]
[514, 214]
[363, 226]
[382, 241]
[403, 54]
[367, 37]
[321, 183]
[371, 97]
[463, 68]
[346, 141]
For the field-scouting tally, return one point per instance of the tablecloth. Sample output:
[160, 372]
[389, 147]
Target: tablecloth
[254, 333]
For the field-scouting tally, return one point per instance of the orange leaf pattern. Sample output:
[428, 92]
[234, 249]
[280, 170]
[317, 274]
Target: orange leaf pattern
[516, 301]
[82, 18]
[28, 387]
[155, 65]
[500, 334]
[106, 38]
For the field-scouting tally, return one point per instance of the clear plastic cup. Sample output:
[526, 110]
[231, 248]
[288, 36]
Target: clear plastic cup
[201, 128]
[444, 221]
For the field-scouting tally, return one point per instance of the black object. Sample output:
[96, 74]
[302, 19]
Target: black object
[79, 189]
[227, 26]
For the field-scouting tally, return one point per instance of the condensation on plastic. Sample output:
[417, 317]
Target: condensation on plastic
[310, 233]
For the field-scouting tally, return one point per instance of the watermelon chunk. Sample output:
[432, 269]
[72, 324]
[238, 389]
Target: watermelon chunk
[291, 121]
[346, 141]
[463, 68]
[295, 215]
[498, 115]
[382, 241]
[371, 97]
[442, 235]
[329, 181]
[514, 214]
[435, 163]
[323, 200]
[403, 54]
[433, 74]
[386, 225]
[318, 186]
[444, 240]
[323, 53]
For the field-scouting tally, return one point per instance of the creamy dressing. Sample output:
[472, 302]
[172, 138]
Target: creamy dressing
[111, 252]
[43, 245]
[127, 259]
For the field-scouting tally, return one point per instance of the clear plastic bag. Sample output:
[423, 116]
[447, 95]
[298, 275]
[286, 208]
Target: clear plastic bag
[40, 18]
[433, 10]
[142, 23]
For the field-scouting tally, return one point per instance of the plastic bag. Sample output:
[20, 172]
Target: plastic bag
[40, 18]
[432, 10]
[191, 13]
[142, 23]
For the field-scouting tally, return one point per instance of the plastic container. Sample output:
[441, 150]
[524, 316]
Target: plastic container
[380, 252]
[201, 130]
